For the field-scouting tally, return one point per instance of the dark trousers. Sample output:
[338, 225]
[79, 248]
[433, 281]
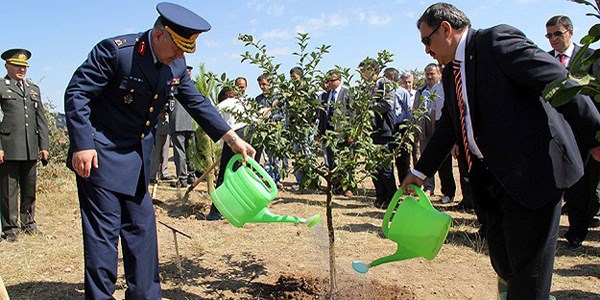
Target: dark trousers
[385, 183]
[402, 159]
[522, 241]
[106, 215]
[582, 201]
[448, 186]
[17, 176]
[226, 155]
[181, 141]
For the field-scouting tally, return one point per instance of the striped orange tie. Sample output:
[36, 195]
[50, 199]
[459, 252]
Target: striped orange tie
[462, 111]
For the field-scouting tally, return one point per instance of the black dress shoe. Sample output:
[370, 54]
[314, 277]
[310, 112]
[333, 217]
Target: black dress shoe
[191, 179]
[179, 183]
[594, 223]
[11, 237]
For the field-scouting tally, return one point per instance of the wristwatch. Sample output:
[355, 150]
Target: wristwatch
[232, 139]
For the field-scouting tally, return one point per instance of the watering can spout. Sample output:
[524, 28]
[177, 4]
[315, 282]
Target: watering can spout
[266, 216]
[398, 256]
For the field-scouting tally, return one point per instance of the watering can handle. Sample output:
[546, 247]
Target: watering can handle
[385, 226]
[423, 200]
[257, 167]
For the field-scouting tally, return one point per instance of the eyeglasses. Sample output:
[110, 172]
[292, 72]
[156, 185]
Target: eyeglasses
[332, 79]
[557, 33]
[427, 40]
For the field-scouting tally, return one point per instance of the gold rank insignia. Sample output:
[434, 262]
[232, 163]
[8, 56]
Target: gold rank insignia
[128, 99]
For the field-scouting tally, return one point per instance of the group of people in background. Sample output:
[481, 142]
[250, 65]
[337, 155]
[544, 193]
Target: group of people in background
[121, 120]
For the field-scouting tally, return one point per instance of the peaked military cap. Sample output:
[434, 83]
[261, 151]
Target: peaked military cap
[182, 24]
[17, 57]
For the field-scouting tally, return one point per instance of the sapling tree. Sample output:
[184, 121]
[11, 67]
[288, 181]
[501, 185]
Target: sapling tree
[288, 127]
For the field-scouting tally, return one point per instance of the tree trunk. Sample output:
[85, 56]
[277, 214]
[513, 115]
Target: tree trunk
[332, 270]
[210, 159]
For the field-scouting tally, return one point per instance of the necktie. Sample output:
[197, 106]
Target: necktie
[562, 59]
[462, 111]
[20, 85]
[331, 106]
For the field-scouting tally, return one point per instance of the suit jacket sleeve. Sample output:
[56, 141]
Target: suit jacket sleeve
[528, 65]
[88, 83]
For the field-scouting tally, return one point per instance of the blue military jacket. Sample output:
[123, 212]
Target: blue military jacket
[112, 104]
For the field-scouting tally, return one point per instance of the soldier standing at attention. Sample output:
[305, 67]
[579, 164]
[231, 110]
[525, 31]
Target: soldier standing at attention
[112, 104]
[23, 139]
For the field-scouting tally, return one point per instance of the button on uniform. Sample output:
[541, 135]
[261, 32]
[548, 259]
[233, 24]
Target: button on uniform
[148, 123]
[151, 109]
[155, 96]
[143, 135]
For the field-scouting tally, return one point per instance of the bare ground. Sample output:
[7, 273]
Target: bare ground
[274, 261]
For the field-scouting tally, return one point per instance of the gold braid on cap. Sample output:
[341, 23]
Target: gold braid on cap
[20, 60]
[186, 45]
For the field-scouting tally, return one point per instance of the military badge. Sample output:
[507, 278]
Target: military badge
[7, 81]
[34, 95]
[142, 48]
[35, 105]
[175, 81]
[118, 42]
[128, 99]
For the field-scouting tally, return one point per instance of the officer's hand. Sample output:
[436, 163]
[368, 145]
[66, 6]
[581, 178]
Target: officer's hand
[595, 152]
[411, 179]
[83, 161]
[43, 154]
[1, 156]
[240, 146]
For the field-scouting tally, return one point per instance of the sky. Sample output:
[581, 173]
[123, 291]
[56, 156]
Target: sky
[60, 34]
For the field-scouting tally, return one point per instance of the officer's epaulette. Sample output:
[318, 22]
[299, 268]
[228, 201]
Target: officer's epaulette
[30, 82]
[126, 40]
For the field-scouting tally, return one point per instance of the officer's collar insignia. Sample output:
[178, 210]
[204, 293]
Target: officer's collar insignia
[128, 99]
[7, 81]
[35, 105]
[142, 48]
[33, 94]
[174, 81]
[118, 42]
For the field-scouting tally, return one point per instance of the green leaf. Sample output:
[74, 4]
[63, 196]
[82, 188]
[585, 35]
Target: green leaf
[565, 95]
[550, 91]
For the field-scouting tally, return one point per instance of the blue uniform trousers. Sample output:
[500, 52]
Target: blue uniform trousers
[105, 216]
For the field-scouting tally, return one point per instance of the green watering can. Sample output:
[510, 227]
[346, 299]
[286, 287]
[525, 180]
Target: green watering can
[243, 197]
[417, 227]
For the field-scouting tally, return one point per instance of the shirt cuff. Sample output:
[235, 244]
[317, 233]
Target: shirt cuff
[418, 174]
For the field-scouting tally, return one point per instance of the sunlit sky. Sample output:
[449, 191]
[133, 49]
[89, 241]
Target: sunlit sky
[60, 34]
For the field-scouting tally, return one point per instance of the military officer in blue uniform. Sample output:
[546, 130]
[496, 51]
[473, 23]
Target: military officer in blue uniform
[112, 104]
[23, 139]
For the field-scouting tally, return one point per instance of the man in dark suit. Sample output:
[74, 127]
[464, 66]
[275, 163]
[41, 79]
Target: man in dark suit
[521, 152]
[112, 103]
[336, 101]
[582, 200]
[23, 139]
[182, 135]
